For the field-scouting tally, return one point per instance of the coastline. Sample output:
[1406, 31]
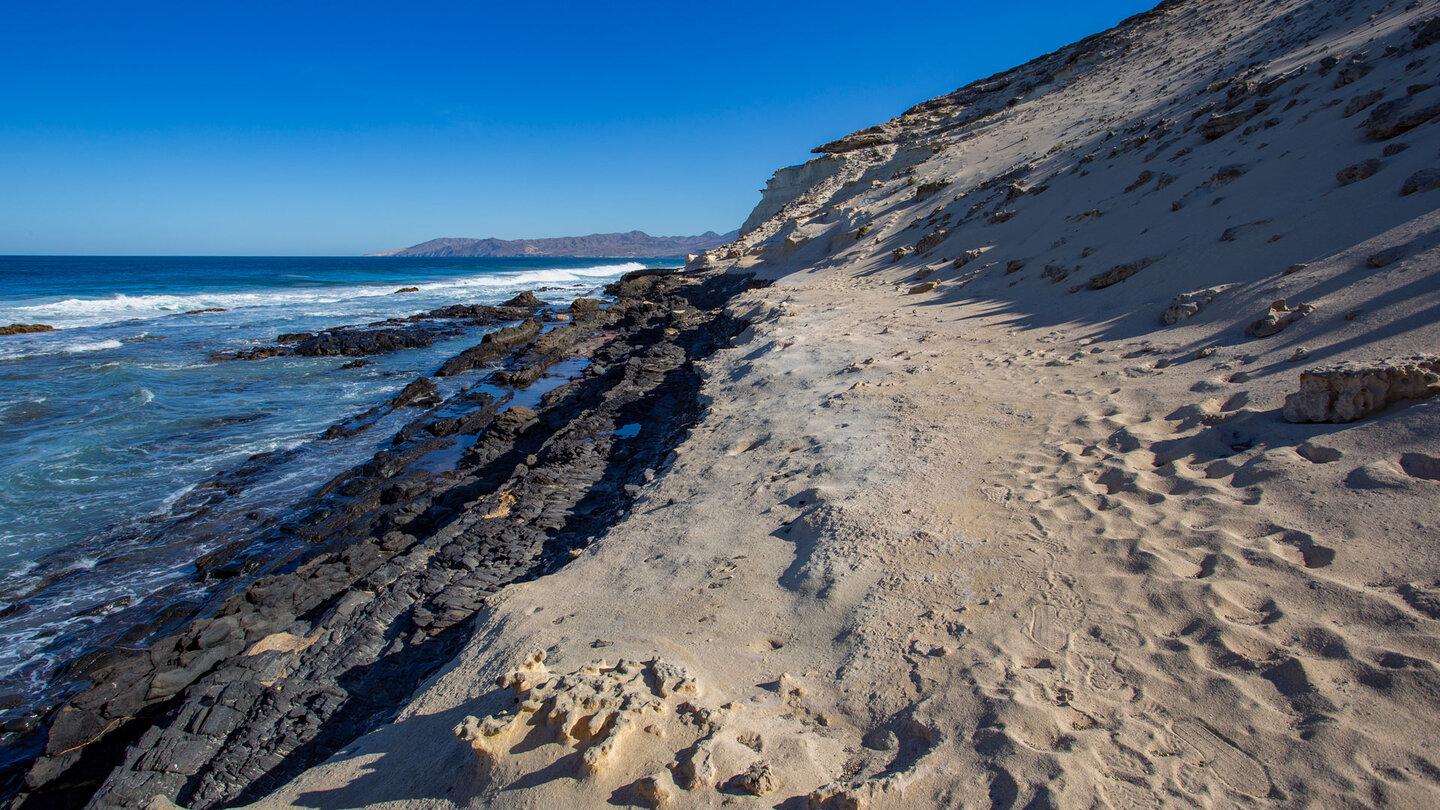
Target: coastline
[1077, 448]
[1004, 497]
[629, 351]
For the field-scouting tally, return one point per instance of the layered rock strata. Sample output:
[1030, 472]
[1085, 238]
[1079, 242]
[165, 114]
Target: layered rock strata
[301, 662]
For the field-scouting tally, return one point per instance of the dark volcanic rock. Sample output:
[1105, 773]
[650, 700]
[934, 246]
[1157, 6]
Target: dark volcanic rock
[299, 664]
[524, 299]
[25, 328]
[492, 347]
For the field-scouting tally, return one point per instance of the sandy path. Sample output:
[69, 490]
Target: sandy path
[914, 552]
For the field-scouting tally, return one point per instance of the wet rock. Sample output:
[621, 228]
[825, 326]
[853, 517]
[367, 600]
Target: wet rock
[417, 392]
[25, 328]
[525, 299]
[406, 290]
[492, 347]
[1348, 392]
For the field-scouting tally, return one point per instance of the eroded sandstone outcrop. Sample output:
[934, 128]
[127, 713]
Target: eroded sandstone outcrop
[593, 710]
[1348, 392]
[1279, 316]
[1187, 305]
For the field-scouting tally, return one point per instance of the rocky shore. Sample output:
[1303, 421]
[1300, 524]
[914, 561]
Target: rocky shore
[1081, 452]
[473, 493]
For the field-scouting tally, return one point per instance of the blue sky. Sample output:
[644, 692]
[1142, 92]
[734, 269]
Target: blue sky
[320, 128]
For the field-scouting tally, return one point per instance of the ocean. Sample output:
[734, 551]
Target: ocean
[108, 423]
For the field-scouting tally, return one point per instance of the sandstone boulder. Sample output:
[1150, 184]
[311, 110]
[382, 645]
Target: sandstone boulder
[1348, 392]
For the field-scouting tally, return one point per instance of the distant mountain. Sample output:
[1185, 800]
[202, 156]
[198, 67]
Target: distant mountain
[634, 244]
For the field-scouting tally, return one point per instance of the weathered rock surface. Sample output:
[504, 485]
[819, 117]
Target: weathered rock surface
[390, 335]
[593, 710]
[1279, 316]
[25, 328]
[1349, 392]
[1423, 180]
[492, 347]
[1357, 172]
[1187, 305]
[1119, 273]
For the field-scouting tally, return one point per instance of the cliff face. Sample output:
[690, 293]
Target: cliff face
[632, 244]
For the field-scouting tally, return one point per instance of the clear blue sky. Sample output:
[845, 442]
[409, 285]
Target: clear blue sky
[333, 128]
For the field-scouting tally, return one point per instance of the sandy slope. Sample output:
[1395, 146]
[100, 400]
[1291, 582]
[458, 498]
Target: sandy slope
[1013, 541]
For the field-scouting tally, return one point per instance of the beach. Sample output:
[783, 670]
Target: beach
[1069, 440]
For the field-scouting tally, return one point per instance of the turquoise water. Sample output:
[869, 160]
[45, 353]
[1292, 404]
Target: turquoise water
[107, 423]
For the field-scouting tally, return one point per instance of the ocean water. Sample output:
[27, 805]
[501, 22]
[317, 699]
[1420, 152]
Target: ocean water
[107, 423]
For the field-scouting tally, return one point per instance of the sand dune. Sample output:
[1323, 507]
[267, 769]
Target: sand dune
[996, 503]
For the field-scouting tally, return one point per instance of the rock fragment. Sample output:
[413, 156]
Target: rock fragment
[967, 257]
[1423, 180]
[592, 710]
[1279, 316]
[931, 240]
[25, 328]
[1386, 257]
[1119, 273]
[757, 781]
[1220, 124]
[1187, 305]
[1357, 172]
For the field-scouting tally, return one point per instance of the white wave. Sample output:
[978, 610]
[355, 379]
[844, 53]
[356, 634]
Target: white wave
[99, 345]
[76, 312]
[146, 396]
[168, 502]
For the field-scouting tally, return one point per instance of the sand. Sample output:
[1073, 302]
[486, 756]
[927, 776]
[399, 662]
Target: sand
[1015, 540]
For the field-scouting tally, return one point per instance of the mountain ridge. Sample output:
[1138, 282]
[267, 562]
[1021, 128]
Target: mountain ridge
[628, 244]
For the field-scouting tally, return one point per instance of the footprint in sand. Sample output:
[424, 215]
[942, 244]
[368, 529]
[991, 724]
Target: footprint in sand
[1045, 628]
[1122, 795]
[1104, 676]
[1233, 766]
